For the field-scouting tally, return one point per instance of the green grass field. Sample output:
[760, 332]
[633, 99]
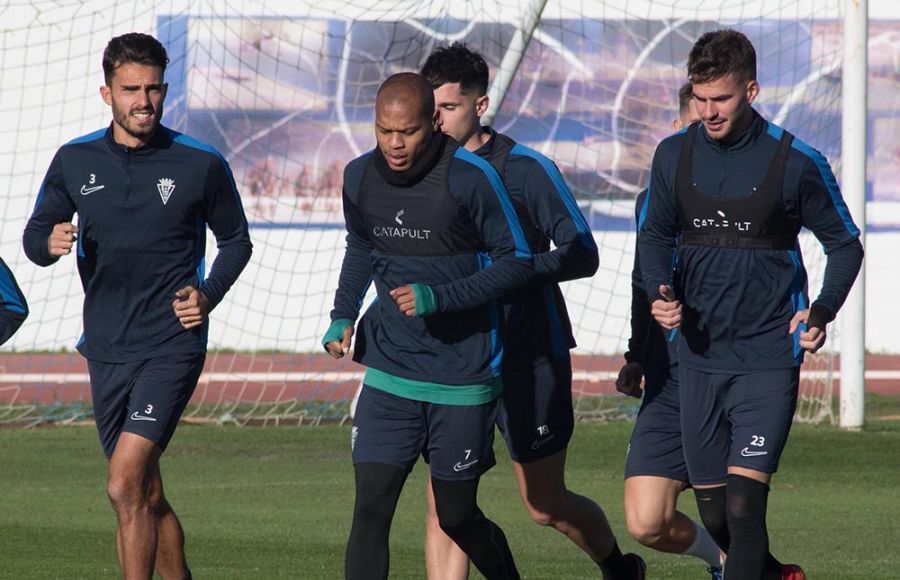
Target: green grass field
[276, 503]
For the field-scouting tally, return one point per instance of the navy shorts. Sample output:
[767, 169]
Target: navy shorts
[145, 397]
[535, 415]
[735, 420]
[655, 447]
[457, 441]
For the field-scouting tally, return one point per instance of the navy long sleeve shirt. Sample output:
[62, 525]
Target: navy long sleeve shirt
[453, 229]
[142, 219]
[13, 307]
[648, 343]
[538, 328]
[738, 302]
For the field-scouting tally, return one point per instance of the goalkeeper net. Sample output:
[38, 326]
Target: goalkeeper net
[285, 90]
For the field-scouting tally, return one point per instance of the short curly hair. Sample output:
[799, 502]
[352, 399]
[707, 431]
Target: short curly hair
[720, 53]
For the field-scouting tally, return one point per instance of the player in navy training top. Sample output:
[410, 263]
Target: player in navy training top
[13, 307]
[431, 224]
[655, 471]
[536, 415]
[737, 190]
[144, 196]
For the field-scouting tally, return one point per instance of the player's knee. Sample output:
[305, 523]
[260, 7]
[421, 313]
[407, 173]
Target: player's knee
[647, 530]
[125, 492]
[547, 510]
[457, 523]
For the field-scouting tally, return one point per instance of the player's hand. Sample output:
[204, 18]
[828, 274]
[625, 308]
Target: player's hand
[191, 307]
[405, 299]
[338, 349]
[811, 339]
[629, 380]
[61, 239]
[666, 310]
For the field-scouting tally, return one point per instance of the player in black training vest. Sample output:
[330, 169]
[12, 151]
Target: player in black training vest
[737, 189]
[432, 225]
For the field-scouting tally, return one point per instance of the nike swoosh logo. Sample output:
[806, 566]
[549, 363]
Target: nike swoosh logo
[136, 417]
[460, 466]
[90, 190]
[541, 442]
[747, 453]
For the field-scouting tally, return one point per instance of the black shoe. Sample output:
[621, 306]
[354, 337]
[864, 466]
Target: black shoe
[637, 565]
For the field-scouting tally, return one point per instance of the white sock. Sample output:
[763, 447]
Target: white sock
[705, 548]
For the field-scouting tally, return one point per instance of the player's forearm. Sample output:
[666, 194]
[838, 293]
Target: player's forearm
[224, 272]
[353, 282]
[34, 242]
[640, 323]
[567, 262]
[841, 268]
[655, 262]
[504, 276]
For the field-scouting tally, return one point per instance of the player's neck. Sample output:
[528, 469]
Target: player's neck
[478, 138]
[126, 139]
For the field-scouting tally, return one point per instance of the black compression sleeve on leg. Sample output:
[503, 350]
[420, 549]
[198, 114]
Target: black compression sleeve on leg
[477, 536]
[377, 490]
[747, 504]
[711, 507]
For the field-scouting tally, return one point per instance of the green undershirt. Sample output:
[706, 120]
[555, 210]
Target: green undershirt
[463, 395]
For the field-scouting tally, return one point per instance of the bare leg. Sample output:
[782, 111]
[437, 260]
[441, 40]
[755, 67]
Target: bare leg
[549, 503]
[128, 487]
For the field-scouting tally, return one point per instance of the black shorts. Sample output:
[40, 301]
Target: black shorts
[655, 447]
[735, 420]
[457, 441]
[145, 397]
[535, 415]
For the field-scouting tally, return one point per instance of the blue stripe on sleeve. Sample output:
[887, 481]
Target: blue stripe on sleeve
[522, 248]
[642, 216]
[183, 139]
[584, 230]
[484, 261]
[798, 297]
[830, 183]
[9, 294]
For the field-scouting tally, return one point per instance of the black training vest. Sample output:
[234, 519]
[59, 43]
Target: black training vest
[755, 221]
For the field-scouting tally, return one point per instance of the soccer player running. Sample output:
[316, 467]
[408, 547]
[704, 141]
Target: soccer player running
[432, 225]
[737, 189]
[13, 307]
[536, 416]
[144, 195]
[655, 471]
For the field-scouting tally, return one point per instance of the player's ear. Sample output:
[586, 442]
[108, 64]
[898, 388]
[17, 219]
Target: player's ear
[436, 120]
[105, 94]
[677, 125]
[752, 90]
[481, 105]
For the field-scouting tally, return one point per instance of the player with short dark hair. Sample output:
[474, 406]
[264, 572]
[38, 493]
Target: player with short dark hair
[13, 307]
[735, 191]
[655, 471]
[144, 195]
[536, 415]
[431, 224]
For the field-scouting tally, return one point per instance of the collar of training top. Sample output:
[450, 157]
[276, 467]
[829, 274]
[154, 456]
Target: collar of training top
[419, 168]
[161, 139]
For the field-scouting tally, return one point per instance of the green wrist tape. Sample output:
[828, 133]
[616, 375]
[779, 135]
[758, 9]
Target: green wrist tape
[426, 303]
[335, 332]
